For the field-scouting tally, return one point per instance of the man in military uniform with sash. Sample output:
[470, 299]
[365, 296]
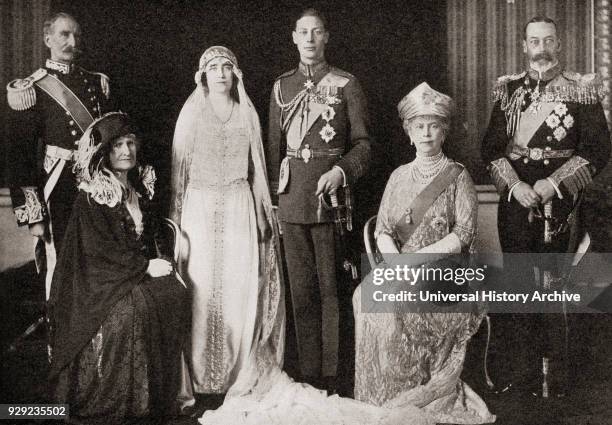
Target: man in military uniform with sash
[318, 144]
[50, 110]
[547, 139]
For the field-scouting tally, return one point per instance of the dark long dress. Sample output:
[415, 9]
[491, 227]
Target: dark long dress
[117, 334]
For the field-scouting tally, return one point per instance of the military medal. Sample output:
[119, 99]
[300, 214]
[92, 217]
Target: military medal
[328, 132]
[535, 106]
[535, 97]
[329, 114]
[560, 121]
[309, 84]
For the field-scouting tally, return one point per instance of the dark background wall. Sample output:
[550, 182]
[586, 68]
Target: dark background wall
[151, 51]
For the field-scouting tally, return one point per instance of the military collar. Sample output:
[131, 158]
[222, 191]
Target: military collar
[547, 75]
[314, 69]
[59, 66]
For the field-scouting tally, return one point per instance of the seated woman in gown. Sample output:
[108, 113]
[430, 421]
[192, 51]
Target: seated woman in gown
[429, 206]
[117, 312]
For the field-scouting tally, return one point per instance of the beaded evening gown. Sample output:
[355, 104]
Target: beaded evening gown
[417, 358]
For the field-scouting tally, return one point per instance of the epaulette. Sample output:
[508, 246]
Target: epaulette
[584, 88]
[21, 94]
[287, 74]
[500, 89]
[104, 81]
[342, 72]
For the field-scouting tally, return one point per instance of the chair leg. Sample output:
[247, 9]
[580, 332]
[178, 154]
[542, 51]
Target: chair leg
[14, 345]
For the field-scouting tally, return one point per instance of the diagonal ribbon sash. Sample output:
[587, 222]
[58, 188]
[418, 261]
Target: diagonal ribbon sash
[66, 99]
[297, 108]
[530, 123]
[425, 199]
[298, 127]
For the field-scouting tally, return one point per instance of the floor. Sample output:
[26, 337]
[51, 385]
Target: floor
[23, 366]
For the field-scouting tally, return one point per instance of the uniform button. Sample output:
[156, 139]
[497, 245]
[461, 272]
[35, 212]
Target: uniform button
[73, 132]
[71, 122]
[67, 113]
[85, 80]
[76, 142]
[89, 90]
[93, 98]
[546, 162]
[547, 148]
[525, 160]
[549, 138]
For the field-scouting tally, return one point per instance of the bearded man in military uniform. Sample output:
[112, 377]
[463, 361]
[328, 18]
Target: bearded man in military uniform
[546, 140]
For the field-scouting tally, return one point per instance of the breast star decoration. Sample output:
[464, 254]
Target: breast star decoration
[560, 121]
[328, 132]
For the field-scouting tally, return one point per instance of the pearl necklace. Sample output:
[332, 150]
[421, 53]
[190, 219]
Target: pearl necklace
[425, 168]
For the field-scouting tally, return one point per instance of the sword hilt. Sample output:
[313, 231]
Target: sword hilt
[547, 222]
[334, 200]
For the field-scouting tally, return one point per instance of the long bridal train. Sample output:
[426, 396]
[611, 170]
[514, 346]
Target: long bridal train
[265, 395]
[278, 400]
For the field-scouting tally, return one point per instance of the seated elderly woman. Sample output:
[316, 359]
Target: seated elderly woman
[116, 311]
[429, 206]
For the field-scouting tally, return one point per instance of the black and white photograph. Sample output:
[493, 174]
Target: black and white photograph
[279, 212]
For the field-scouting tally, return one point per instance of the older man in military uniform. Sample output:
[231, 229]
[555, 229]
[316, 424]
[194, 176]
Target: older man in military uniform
[318, 145]
[50, 110]
[546, 140]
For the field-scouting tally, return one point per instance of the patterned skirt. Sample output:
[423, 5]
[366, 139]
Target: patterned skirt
[220, 259]
[131, 367]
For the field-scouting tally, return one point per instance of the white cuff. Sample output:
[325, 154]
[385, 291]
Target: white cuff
[511, 189]
[556, 187]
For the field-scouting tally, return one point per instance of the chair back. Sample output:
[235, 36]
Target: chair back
[370, 242]
[167, 239]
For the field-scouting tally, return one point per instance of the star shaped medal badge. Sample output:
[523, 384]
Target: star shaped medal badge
[309, 84]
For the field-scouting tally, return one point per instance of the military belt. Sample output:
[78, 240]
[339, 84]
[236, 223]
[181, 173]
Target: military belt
[59, 153]
[539, 154]
[307, 153]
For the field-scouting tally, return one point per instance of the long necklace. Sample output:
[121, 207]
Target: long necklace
[425, 168]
